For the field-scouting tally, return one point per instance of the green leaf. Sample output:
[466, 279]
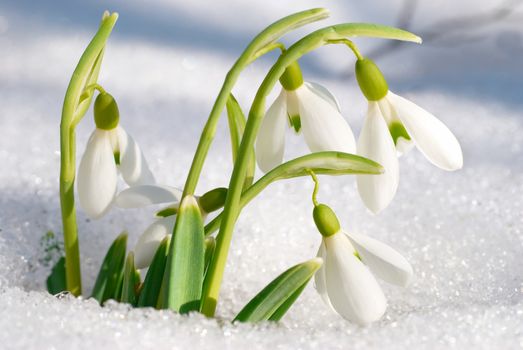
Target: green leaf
[154, 277]
[322, 163]
[275, 299]
[185, 261]
[110, 277]
[131, 281]
[278, 314]
[56, 280]
[77, 99]
[236, 120]
[369, 30]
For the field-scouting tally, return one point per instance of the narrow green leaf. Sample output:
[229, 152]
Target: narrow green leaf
[131, 280]
[110, 277]
[153, 279]
[56, 280]
[275, 299]
[278, 314]
[236, 120]
[185, 261]
[322, 163]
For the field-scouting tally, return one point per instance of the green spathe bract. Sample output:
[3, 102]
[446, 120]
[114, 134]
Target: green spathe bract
[185, 263]
[370, 79]
[277, 297]
[106, 114]
[325, 219]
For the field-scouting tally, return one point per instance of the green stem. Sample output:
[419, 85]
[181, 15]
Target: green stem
[350, 44]
[257, 45]
[75, 106]
[232, 204]
[316, 188]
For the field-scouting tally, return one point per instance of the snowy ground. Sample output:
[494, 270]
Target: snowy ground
[461, 231]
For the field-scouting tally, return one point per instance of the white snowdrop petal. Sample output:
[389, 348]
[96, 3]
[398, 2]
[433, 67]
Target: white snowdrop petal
[324, 128]
[375, 143]
[271, 136]
[320, 282]
[150, 240]
[143, 195]
[403, 146]
[322, 91]
[430, 135]
[133, 165]
[353, 291]
[97, 175]
[385, 262]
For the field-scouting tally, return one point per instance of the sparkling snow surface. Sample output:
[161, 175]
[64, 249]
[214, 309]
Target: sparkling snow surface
[461, 231]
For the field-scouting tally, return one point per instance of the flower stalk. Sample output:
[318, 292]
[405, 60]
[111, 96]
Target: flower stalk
[76, 102]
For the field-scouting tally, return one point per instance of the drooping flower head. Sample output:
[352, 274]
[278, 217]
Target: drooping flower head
[346, 279]
[392, 126]
[108, 150]
[306, 107]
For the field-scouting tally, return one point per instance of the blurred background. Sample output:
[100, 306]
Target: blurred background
[470, 46]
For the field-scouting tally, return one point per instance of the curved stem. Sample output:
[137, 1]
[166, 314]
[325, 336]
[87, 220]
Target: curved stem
[316, 188]
[253, 50]
[232, 204]
[350, 44]
[85, 74]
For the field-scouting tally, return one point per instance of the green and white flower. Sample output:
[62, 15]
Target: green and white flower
[394, 125]
[307, 107]
[108, 150]
[346, 279]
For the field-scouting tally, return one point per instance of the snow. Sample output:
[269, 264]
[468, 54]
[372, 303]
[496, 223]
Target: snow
[461, 231]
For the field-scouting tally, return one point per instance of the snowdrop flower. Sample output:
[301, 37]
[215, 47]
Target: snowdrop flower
[109, 148]
[346, 280]
[303, 106]
[392, 126]
[163, 226]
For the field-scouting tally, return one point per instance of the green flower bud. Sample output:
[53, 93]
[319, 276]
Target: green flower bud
[106, 114]
[371, 81]
[325, 220]
[292, 77]
[213, 200]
